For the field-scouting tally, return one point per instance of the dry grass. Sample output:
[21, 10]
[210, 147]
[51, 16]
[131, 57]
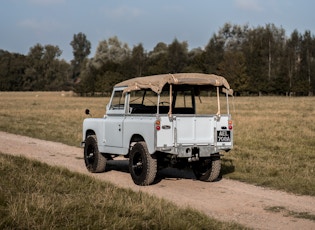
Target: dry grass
[34, 195]
[274, 136]
[53, 116]
[275, 143]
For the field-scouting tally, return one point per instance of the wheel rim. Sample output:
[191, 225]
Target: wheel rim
[202, 167]
[90, 155]
[137, 164]
[205, 166]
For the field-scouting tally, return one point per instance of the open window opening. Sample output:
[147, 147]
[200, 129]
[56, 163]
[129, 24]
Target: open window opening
[118, 101]
[179, 99]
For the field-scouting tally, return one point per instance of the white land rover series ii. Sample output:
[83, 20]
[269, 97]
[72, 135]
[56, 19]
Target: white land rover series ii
[156, 123]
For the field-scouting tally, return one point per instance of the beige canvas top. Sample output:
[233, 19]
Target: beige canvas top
[157, 82]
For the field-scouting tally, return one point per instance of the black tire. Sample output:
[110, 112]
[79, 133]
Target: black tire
[207, 170]
[142, 165]
[95, 162]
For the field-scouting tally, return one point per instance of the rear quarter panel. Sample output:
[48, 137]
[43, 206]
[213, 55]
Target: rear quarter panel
[142, 125]
[96, 125]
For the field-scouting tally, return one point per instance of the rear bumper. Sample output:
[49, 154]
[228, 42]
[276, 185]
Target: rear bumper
[187, 151]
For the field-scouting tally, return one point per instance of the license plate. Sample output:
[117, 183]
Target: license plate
[223, 136]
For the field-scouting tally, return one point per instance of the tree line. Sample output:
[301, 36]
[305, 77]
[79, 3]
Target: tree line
[255, 60]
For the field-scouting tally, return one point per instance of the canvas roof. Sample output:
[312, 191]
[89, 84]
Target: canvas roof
[157, 82]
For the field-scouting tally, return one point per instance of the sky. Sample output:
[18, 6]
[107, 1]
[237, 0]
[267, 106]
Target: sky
[24, 23]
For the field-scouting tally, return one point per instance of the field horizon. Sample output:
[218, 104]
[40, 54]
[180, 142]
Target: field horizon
[274, 137]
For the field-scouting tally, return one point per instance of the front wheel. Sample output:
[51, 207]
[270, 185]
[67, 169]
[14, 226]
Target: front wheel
[207, 170]
[142, 166]
[95, 162]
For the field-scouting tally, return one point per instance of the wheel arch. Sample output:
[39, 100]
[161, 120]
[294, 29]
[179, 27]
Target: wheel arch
[89, 132]
[133, 140]
[137, 138]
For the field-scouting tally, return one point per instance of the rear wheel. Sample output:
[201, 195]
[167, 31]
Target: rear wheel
[142, 165]
[95, 162]
[207, 170]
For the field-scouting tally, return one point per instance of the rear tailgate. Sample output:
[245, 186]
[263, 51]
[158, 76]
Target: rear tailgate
[195, 130]
[186, 130]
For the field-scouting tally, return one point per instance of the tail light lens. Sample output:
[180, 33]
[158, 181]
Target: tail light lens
[157, 125]
[230, 124]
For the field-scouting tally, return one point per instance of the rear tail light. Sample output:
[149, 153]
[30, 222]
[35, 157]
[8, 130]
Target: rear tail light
[157, 125]
[230, 124]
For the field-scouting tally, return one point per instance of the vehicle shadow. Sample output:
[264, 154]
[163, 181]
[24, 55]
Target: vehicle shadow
[174, 174]
[167, 173]
[227, 166]
[117, 165]
[122, 165]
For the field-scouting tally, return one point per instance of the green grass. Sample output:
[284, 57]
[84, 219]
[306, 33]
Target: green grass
[34, 195]
[274, 137]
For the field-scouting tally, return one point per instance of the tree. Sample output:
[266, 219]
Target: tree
[307, 62]
[157, 59]
[276, 46]
[177, 56]
[138, 60]
[195, 61]
[112, 50]
[264, 50]
[254, 60]
[50, 80]
[107, 66]
[232, 37]
[213, 54]
[35, 68]
[12, 69]
[292, 51]
[44, 71]
[233, 68]
[81, 50]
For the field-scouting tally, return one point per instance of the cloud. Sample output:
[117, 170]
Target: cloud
[40, 26]
[248, 5]
[123, 12]
[46, 2]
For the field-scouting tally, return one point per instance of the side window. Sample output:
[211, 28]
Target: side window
[143, 97]
[183, 99]
[118, 101]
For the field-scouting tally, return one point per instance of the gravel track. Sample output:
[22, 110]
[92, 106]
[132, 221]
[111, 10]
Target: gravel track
[225, 200]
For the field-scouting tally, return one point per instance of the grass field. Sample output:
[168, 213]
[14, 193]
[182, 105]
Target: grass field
[275, 143]
[274, 136]
[34, 195]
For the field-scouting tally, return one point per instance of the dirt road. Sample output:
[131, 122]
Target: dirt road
[225, 200]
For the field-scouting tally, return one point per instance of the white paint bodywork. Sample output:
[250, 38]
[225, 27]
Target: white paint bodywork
[178, 134]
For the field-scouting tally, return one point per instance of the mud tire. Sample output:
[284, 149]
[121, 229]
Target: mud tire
[207, 170]
[95, 162]
[142, 165]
